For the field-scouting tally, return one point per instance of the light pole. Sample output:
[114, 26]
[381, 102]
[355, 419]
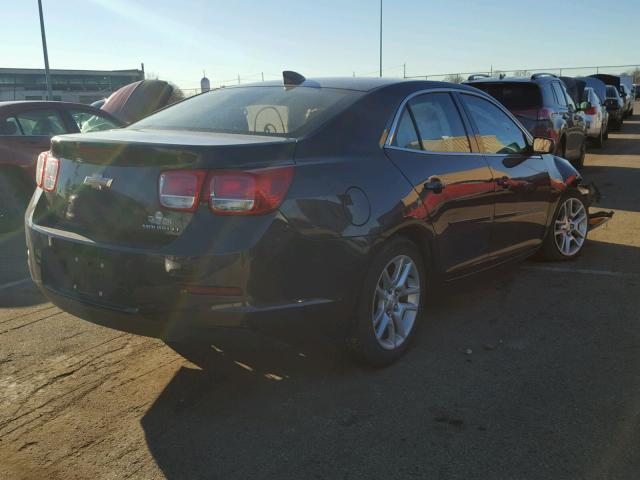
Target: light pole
[380, 37]
[47, 74]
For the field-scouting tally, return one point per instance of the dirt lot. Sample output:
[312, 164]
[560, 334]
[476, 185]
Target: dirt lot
[530, 373]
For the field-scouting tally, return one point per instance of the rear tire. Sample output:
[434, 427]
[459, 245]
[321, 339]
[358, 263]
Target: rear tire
[390, 304]
[579, 163]
[14, 197]
[567, 234]
[599, 141]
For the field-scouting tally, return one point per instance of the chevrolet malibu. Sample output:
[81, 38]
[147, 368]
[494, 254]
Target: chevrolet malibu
[347, 200]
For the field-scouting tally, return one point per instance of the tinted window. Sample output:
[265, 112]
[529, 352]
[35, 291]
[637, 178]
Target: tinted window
[9, 126]
[498, 133]
[559, 94]
[439, 125]
[406, 136]
[514, 96]
[91, 122]
[612, 92]
[41, 123]
[273, 111]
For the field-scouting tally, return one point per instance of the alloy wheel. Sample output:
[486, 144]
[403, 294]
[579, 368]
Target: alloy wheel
[570, 228]
[395, 302]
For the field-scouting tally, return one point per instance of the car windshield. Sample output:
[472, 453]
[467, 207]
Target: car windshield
[258, 110]
[514, 96]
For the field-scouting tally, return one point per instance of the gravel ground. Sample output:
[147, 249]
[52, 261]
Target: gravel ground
[531, 373]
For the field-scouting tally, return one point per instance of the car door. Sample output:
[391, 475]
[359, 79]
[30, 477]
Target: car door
[522, 183]
[574, 134]
[430, 145]
[35, 128]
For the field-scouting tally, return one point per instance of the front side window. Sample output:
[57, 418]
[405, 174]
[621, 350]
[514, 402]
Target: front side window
[498, 133]
[439, 125]
[9, 127]
[272, 111]
[45, 123]
[91, 122]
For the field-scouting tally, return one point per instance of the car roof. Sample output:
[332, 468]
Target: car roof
[540, 79]
[362, 84]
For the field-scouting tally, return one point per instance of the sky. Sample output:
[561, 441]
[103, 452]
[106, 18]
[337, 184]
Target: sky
[178, 39]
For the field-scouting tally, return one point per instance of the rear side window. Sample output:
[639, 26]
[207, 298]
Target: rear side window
[440, 128]
[41, 123]
[514, 95]
[406, 136]
[272, 111]
[9, 126]
[498, 133]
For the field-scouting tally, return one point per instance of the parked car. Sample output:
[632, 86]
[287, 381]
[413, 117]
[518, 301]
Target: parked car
[615, 107]
[622, 85]
[329, 199]
[543, 105]
[627, 99]
[26, 129]
[139, 99]
[595, 115]
[637, 91]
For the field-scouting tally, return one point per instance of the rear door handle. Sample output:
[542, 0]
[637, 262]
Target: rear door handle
[503, 182]
[434, 185]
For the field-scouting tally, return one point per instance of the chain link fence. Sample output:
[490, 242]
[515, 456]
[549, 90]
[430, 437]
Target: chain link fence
[400, 71]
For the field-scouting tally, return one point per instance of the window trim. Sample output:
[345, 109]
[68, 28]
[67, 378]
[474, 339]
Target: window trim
[463, 114]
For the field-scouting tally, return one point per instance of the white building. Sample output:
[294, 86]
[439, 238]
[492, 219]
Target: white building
[82, 86]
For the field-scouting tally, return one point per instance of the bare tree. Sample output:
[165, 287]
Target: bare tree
[454, 78]
[634, 74]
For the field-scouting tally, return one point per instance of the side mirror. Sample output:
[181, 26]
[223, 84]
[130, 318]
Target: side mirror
[585, 106]
[543, 145]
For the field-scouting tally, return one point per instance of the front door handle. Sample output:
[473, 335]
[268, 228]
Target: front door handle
[503, 182]
[434, 185]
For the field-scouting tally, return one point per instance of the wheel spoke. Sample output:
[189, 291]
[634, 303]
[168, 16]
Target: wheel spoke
[382, 326]
[403, 276]
[397, 272]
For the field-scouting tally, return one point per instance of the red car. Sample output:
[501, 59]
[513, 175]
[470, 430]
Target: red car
[26, 128]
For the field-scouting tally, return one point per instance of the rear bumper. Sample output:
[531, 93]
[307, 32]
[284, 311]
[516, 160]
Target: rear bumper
[142, 292]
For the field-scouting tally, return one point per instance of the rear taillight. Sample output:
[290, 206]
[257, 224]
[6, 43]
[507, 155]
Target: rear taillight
[42, 159]
[228, 192]
[180, 189]
[50, 173]
[591, 111]
[253, 192]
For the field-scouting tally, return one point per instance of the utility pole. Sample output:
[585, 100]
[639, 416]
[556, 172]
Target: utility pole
[404, 70]
[380, 37]
[262, 76]
[47, 73]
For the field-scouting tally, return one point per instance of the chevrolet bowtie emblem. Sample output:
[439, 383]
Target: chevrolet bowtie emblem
[98, 182]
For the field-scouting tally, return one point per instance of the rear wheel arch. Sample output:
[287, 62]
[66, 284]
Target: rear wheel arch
[422, 238]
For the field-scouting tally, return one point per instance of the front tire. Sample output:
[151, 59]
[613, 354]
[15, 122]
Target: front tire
[390, 304]
[568, 231]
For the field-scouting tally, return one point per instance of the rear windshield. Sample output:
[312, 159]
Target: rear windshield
[611, 92]
[514, 96]
[272, 111]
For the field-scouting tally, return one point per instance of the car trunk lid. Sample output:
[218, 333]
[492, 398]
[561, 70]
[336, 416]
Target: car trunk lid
[107, 188]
